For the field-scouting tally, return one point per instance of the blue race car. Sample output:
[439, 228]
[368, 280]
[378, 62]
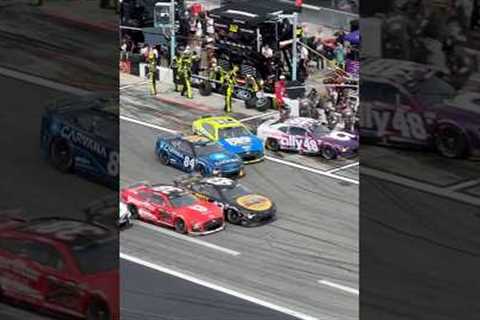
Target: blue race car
[81, 136]
[195, 153]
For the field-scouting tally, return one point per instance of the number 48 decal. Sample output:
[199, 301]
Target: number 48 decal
[410, 124]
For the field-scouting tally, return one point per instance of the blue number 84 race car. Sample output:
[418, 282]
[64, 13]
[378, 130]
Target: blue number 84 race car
[195, 153]
[80, 135]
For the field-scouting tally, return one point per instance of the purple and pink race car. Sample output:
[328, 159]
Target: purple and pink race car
[307, 136]
[409, 104]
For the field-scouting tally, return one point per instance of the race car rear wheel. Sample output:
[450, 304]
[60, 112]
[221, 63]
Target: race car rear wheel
[164, 159]
[233, 216]
[451, 142]
[251, 103]
[97, 310]
[205, 88]
[263, 104]
[328, 153]
[133, 210]
[272, 144]
[180, 226]
[203, 171]
[61, 155]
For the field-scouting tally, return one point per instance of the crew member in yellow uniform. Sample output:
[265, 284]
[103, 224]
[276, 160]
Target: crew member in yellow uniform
[187, 74]
[152, 73]
[176, 63]
[230, 82]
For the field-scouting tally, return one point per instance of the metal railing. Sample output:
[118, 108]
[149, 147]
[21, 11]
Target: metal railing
[335, 19]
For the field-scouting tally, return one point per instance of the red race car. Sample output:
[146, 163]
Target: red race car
[61, 266]
[173, 207]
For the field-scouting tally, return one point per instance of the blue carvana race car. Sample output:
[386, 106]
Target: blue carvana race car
[198, 154]
[81, 136]
[233, 135]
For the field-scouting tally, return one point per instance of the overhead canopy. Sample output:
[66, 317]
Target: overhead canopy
[252, 12]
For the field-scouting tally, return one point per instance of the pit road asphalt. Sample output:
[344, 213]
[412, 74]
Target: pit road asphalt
[314, 238]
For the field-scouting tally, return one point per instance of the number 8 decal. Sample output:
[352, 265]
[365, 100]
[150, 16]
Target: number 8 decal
[417, 127]
[112, 166]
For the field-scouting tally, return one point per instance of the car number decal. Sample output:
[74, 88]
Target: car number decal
[189, 162]
[409, 124]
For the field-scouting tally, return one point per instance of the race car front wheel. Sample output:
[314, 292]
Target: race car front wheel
[164, 159]
[451, 142]
[97, 311]
[329, 153]
[272, 145]
[133, 210]
[233, 216]
[180, 226]
[61, 155]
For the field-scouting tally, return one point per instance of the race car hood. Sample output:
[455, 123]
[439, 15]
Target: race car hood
[242, 144]
[200, 212]
[340, 139]
[468, 102]
[254, 203]
[221, 159]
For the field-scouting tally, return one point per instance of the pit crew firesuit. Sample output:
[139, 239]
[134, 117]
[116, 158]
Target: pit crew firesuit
[152, 74]
[230, 81]
[280, 93]
[186, 75]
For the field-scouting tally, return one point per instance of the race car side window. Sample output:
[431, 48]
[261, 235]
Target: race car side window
[209, 129]
[211, 191]
[296, 131]
[186, 148]
[388, 93]
[45, 255]
[11, 245]
[157, 199]
[283, 129]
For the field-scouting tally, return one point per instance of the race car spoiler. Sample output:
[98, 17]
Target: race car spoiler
[187, 179]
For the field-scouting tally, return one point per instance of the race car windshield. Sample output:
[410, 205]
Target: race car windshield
[235, 192]
[228, 133]
[434, 91]
[207, 149]
[320, 130]
[97, 257]
[183, 200]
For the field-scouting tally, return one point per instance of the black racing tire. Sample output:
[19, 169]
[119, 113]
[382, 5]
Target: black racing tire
[61, 155]
[97, 310]
[328, 153]
[202, 170]
[205, 88]
[263, 104]
[180, 226]
[163, 156]
[251, 103]
[272, 145]
[133, 210]
[233, 216]
[451, 142]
